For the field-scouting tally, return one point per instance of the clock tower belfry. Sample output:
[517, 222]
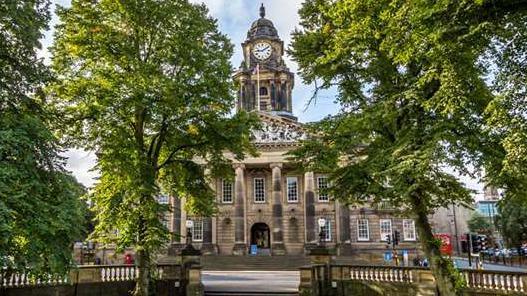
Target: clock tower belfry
[265, 83]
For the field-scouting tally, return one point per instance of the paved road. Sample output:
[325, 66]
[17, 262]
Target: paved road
[463, 263]
[251, 281]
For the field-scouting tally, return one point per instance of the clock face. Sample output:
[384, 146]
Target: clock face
[262, 50]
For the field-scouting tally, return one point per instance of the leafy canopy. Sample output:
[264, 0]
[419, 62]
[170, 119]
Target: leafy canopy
[146, 84]
[40, 209]
[479, 224]
[415, 84]
[512, 220]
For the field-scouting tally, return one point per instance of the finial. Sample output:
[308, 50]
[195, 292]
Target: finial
[262, 11]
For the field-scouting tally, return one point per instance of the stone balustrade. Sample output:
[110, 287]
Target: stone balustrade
[495, 280]
[88, 274]
[376, 273]
[339, 279]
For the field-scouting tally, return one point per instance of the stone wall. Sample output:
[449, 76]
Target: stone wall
[163, 288]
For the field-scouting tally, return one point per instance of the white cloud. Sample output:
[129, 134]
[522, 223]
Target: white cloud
[81, 163]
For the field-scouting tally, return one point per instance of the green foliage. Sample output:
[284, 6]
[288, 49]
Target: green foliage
[414, 83]
[147, 85]
[512, 221]
[479, 224]
[40, 208]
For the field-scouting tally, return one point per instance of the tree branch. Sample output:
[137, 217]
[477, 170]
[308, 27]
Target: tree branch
[168, 160]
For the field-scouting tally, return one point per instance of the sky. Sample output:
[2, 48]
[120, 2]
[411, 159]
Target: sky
[234, 19]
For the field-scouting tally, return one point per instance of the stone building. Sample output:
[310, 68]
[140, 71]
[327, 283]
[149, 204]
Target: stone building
[270, 208]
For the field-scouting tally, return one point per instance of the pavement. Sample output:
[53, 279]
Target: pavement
[251, 281]
[463, 263]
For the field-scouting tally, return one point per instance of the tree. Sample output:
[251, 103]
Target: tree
[147, 85]
[40, 208]
[479, 224]
[512, 221]
[411, 83]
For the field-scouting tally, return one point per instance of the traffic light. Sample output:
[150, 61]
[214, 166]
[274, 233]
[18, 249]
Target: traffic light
[484, 242]
[396, 238]
[476, 243]
[388, 240]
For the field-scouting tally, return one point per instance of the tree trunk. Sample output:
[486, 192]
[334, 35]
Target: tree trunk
[143, 279]
[438, 264]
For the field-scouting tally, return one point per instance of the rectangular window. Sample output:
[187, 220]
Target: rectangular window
[165, 219]
[326, 230]
[292, 189]
[363, 230]
[259, 190]
[385, 226]
[408, 230]
[162, 199]
[322, 186]
[226, 191]
[197, 230]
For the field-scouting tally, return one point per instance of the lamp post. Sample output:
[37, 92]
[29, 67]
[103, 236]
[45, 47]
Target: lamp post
[189, 224]
[322, 235]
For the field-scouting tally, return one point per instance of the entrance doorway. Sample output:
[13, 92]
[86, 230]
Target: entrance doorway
[261, 236]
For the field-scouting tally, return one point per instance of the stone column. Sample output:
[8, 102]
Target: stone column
[176, 219]
[239, 217]
[344, 229]
[207, 247]
[182, 225]
[277, 245]
[309, 195]
[174, 226]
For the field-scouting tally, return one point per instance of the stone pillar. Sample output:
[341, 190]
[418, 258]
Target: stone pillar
[309, 196]
[344, 229]
[182, 225]
[175, 226]
[207, 247]
[277, 245]
[240, 247]
[176, 219]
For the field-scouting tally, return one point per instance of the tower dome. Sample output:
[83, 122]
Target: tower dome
[262, 27]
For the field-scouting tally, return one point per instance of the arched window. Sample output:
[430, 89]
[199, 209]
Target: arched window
[263, 91]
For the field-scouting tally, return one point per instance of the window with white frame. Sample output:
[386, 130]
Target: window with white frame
[326, 230]
[197, 230]
[165, 219]
[259, 190]
[385, 225]
[363, 230]
[162, 199]
[322, 186]
[226, 191]
[408, 230]
[292, 189]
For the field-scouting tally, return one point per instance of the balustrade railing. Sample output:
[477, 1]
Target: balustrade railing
[487, 280]
[11, 280]
[375, 273]
[87, 273]
[495, 280]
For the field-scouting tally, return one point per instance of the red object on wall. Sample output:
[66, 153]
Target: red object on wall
[446, 245]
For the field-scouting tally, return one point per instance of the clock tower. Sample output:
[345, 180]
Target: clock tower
[265, 83]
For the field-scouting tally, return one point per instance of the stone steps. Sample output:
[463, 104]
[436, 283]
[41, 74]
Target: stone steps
[253, 262]
[212, 293]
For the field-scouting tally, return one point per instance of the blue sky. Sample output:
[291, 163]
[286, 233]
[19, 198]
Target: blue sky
[234, 19]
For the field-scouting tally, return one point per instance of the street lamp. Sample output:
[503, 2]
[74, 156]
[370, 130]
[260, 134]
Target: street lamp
[322, 234]
[189, 225]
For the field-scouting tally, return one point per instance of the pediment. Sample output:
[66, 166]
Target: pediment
[277, 131]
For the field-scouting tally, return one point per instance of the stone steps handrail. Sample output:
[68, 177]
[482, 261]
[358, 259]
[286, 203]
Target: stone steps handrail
[88, 274]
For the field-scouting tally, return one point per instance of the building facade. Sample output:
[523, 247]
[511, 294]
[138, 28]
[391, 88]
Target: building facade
[270, 208]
